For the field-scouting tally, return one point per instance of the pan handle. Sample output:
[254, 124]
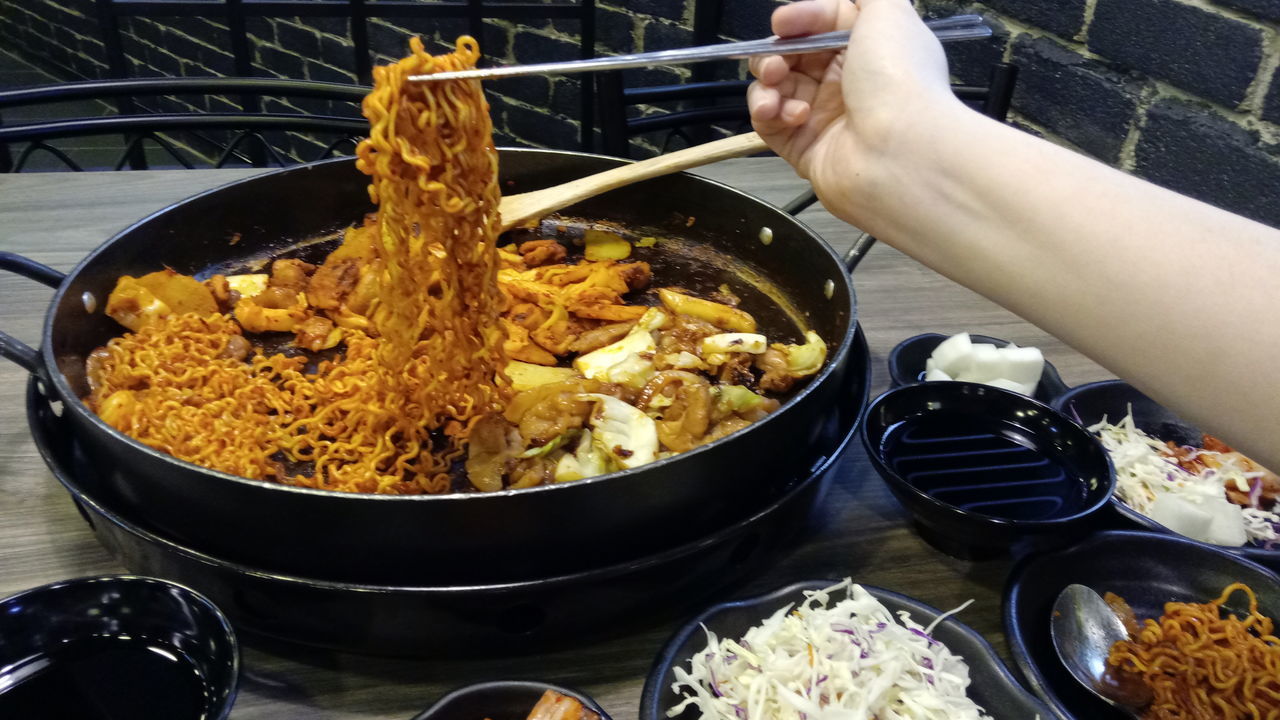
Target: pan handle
[10, 347]
[861, 244]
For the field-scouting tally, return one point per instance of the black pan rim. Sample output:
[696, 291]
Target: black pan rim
[76, 405]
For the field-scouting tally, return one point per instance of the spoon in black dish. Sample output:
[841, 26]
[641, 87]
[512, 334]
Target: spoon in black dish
[1084, 627]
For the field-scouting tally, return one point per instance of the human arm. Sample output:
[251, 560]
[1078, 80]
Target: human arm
[1172, 294]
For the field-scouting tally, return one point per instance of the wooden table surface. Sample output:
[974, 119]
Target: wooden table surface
[860, 531]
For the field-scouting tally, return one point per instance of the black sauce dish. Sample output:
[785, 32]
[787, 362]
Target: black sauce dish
[907, 361]
[1112, 400]
[500, 700]
[992, 686]
[985, 472]
[1146, 569]
[116, 647]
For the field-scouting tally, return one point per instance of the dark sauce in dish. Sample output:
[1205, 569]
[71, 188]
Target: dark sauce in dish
[982, 465]
[105, 678]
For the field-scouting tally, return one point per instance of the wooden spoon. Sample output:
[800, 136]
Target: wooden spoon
[516, 209]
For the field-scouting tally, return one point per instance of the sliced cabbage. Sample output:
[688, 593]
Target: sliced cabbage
[805, 359]
[839, 655]
[736, 398]
[586, 461]
[623, 431]
[628, 361]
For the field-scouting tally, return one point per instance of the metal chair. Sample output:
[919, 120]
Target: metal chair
[222, 138]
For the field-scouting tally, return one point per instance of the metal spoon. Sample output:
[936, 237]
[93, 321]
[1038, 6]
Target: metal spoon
[1084, 627]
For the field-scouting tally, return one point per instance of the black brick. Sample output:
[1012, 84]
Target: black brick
[496, 44]
[303, 41]
[1076, 98]
[539, 129]
[566, 96]
[339, 54]
[388, 40]
[338, 26]
[615, 32]
[671, 9]
[664, 36]
[1265, 9]
[534, 90]
[971, 61]
[1271, 106]
[278, 62]
[325, 73]
[1213, 56]
[748, 19]
[1064, 18]
[534, 48]
[165, 61]
[1194, 151]
[641, 77]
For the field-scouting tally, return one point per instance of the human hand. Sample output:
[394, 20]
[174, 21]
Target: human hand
[837, 117]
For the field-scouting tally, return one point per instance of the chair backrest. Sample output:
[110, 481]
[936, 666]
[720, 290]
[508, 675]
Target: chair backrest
[190, 121]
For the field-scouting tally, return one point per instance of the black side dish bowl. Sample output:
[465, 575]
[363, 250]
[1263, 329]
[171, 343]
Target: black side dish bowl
[982, 470]
[116, 647]
[500, 700]
[1146, 569]
[992, 686]
[1112, 400]
[907, 360]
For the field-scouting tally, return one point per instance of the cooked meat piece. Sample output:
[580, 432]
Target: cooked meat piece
[685, 421]
[237, 348]
[93, 366]
[686, 334]
[598, 337]
[527, 315]
[555, 415]
[737, 370]
[332, 283]
[222, 292]
[492, 445]
[554, 706]
[531, 472]
[292, 274]
[776, 378]
[276, 298]
[636, 274]
[1124, 612]
[542, 252]
[313, 334]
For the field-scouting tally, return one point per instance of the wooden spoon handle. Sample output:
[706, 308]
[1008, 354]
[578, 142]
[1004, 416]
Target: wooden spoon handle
[516, 209]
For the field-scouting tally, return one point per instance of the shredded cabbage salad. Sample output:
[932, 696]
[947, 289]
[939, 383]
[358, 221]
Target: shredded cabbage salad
[829, 658]
[1150, 480]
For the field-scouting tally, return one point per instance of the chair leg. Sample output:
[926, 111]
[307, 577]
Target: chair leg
[1000, 91]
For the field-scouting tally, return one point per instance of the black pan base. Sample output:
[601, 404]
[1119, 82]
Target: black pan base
[457, 619]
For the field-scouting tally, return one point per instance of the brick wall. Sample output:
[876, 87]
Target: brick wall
[1185, 93]
[1181, 92]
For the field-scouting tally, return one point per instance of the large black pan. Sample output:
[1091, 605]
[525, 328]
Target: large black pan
[501, 536]
[400, 618]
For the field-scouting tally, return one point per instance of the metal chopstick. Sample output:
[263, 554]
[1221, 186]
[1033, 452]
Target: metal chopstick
[957, 27]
